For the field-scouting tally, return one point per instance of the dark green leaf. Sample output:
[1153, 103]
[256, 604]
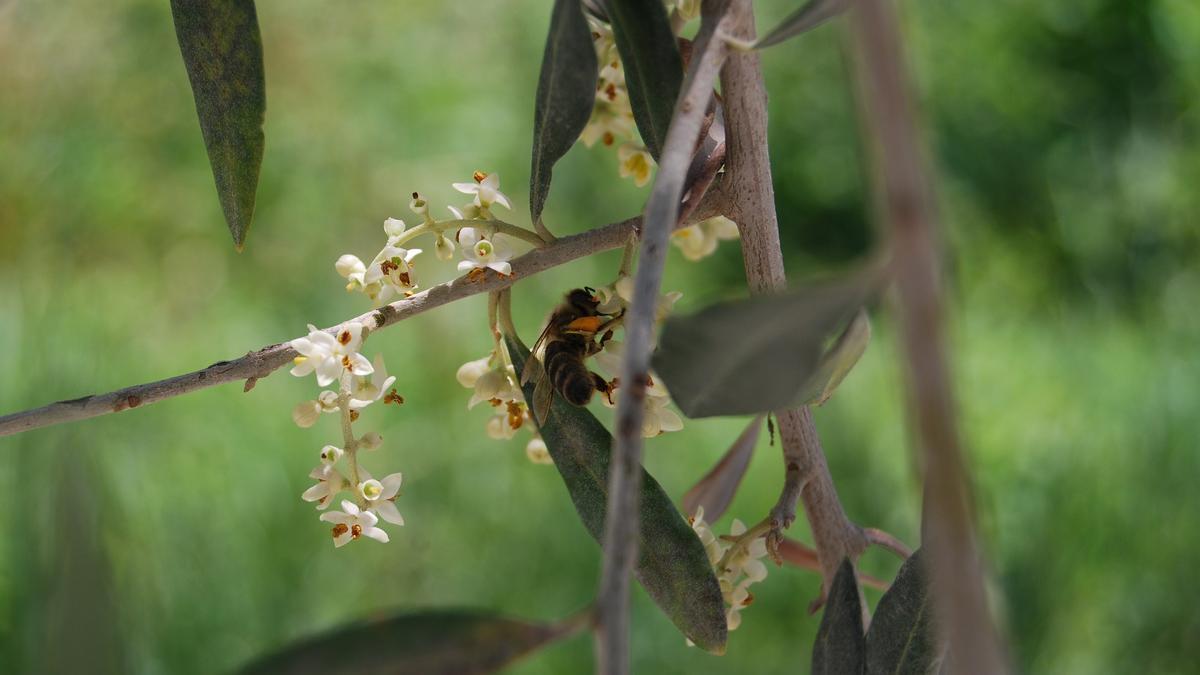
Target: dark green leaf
[672, 565]
[837, 362]
[808, 17]
[841, 645]
[653, 67]
[434, 642]
[222, 51]
[715, 491]
[565, 96]
[753, 355]
[901, 639]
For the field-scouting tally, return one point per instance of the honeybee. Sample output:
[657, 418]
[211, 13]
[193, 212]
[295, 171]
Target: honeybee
[569, 338]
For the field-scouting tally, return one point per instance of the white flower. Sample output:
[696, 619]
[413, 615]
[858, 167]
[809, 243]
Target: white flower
[483, 252]
[329, 483]
[366, 390]
[419, 206]
[486, 189]
[713, 546]
[657, 418]
[352, 269]
[381, 495]
[494, 385]
[470, 372]
[748, 559]
[537, 452]
[504, 424]
[351, 523]
[700, 240]
[393, 269]
[469, 212]
[635, 163]
[330, 356]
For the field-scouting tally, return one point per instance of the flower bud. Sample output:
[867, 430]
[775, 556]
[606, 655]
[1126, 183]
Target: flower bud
[537, 452]
[330, 454]
[328, 401]
[418, 205]
[394, 227]
[371, 440]
[305, 414]
[443, 247]
[470, 372]
[348, 264]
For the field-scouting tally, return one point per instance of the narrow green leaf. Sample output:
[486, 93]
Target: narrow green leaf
[841, 645]
[565, 96]
[222, 51]
[433, 642]
[753, 355]
[839, 360]
[672, 565]
[808, 17]
[716, 490]
[653, 67]
[901, 639]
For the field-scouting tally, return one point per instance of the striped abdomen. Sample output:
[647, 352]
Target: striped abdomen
[566, 369]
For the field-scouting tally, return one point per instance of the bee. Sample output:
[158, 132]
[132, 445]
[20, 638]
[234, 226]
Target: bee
[569, 338]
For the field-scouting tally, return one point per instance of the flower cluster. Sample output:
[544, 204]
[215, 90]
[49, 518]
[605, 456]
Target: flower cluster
[612, 120]
[336, 359]
[738, 564]
[494, 381]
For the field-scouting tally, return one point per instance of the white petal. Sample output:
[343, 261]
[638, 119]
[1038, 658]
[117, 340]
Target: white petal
[388, 511]
[466, 265]
[393, 227]
[492, 180]
[367, 519]
[501, 268]
[755, 570]
[343, 539]
[316, 493]
[303, 345]
[466, 188]
[359, 365]
[337, 518]
[458, 215]
[303, 368]
[668, 420]
[328, 370]
[350, 507]
[501, 199]
[391, 485]
[376, 534]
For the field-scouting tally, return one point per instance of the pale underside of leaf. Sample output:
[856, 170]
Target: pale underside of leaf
[837, 362]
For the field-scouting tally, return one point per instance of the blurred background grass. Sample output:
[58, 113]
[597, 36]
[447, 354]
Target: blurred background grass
[172, 539]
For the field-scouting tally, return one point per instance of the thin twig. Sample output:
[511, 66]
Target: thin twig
[749, 187]
[904, 191]
[876, 537]
[662, 215]
[262, 362]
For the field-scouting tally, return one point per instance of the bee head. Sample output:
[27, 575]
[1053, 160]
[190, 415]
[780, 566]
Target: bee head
[584, 300]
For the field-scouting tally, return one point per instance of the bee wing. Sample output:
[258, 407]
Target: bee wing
[533, 365]
[543, 396]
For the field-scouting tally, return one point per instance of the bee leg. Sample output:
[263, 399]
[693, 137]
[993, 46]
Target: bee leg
[602, 385]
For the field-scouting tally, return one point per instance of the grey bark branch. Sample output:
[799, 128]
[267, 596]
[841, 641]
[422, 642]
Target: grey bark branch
[262, 362]
[904, 191]
[752, 200]
[662, 215]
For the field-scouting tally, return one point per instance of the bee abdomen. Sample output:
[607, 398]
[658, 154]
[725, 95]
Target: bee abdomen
[569, 375]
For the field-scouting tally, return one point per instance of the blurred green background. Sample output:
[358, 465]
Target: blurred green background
[173, 540]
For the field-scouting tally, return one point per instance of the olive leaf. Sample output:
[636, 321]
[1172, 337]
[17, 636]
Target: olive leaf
[901, 639]
[222, 51]
[653, 66]
[837, 362]
[672, 565]
[565, 95]
[716, 489]
[754, 355]
[841, 644]
[808, 17]
[431, 642]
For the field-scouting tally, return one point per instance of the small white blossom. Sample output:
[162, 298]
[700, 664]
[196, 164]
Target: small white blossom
[510, 417]
[393, 228]
[484, 252]
[419, 206]
[353, 270]
[330, 454]
[537, 452]
[381, 495]
[330, 356]
[486, 189]
[329, 483]
[351, 523]
[393, 270]
[443, 247]
[700, 240]
[635, 163]
[470, 372]
[366, 390]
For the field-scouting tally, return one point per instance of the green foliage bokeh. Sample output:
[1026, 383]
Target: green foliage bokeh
[172, 538]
